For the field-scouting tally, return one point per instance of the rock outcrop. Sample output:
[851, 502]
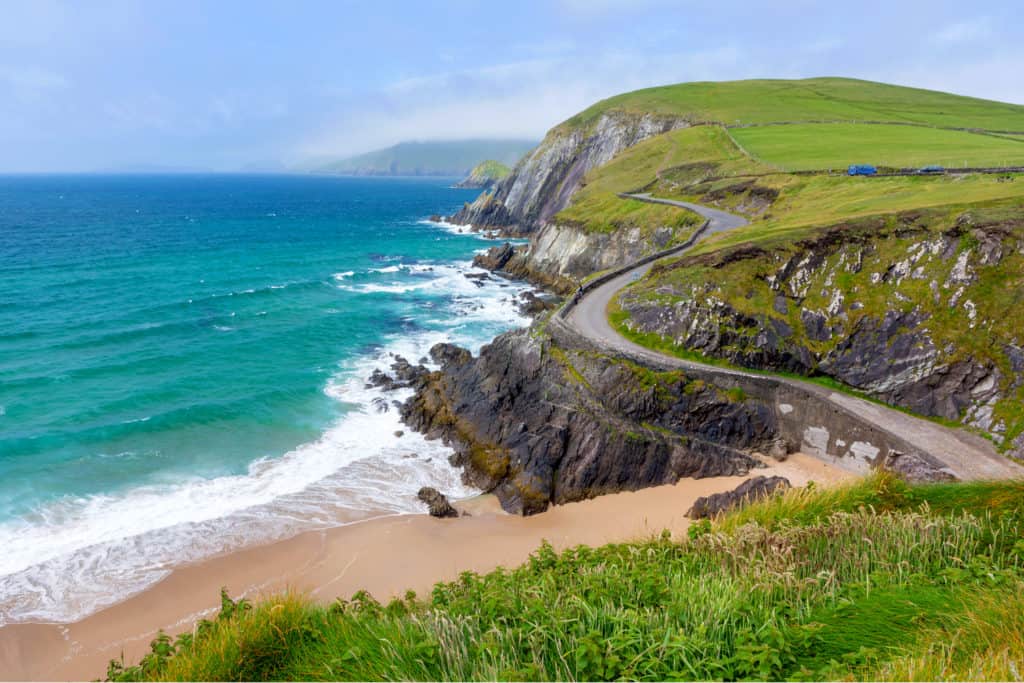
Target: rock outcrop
[900, 308]
[749, 491]
[437, 502]
[538, 424]
[541, 183]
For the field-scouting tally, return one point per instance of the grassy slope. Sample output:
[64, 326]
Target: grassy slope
[489, 170]
[835, 146]
[876, 580]
[813, 99]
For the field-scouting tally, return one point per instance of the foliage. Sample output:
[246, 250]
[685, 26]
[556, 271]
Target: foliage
[859, 582]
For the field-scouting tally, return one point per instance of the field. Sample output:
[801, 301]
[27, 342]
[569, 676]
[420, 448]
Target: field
[704, 165]
[873, 581]
[836, 146]
[814, 99]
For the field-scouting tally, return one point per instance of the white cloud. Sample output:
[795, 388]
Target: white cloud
[518, 99]
[964, 31]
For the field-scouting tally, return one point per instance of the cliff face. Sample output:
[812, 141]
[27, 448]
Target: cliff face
[538, 424]
[542, 183]
[908, 311]
[560, 256]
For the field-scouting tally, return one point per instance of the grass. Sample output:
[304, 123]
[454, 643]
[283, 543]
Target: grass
[873, 580]
[814, 99]
[489, 170]
[835, 146]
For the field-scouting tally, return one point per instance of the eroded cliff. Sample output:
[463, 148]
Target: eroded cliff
[538, 424]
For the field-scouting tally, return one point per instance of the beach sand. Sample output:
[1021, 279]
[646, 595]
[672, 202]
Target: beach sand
[385, 556]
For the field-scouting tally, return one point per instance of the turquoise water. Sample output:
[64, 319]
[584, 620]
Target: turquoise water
[182, 362]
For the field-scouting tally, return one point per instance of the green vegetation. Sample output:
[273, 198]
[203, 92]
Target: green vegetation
[486, 173]
[836, 146]
[609, 213]
[814, 99]
[443, 158]
[872, 581]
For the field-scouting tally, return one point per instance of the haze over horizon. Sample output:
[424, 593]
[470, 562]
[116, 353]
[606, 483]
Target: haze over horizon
[233, 86]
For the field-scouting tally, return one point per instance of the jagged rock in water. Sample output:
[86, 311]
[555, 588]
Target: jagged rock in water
[449, 354]
[437, 502]
[537, 424]
[380, 404]
[380, 380]
[750, 490]
[533, 305]
[495, 258]
[405, 372]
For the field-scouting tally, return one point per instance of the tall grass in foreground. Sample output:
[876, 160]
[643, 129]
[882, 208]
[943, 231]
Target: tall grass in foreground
[877, 579]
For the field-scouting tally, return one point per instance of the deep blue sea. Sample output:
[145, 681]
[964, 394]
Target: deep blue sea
[182, 366]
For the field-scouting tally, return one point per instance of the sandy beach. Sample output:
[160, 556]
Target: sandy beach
[385, 556]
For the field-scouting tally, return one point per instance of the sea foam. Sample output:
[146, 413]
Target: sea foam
[80, 554]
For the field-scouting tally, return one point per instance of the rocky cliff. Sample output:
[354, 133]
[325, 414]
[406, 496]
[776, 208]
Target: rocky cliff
[911, 309]
[538, 424]
[542, 183]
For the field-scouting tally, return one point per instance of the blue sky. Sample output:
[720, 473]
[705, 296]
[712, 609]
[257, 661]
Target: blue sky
[227, 85]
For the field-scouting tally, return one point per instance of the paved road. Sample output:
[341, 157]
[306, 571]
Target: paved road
[966, 454]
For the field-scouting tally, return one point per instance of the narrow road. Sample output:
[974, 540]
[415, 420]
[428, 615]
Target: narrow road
[969, 456]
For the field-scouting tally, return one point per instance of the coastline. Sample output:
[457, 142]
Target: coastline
[384, 555]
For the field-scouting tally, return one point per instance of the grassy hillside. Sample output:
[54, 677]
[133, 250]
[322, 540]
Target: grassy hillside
[836, 146]
[485, 174]
[874, 581]
[813, 99]
[703, 164]
[442, 158]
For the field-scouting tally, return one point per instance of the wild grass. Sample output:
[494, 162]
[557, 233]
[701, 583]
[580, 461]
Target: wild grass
[813, 99]
[836, 146]
[819, 584]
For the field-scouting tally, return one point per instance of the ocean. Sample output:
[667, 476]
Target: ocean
[183, 364]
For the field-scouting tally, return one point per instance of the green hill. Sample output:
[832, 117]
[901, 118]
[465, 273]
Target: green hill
[485, 174]
[441, 158]
[813, 99]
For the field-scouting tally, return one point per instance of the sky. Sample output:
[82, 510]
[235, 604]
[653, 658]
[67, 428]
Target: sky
[95, 85]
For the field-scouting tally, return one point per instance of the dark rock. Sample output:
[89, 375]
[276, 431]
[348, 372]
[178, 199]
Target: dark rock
[917, 469]
[477, 278]
[380, 404]
[537, 425]
[496, 258]
[779, 448]
[380, 380]
[406, 373]
[750, 490]
[437, 502]
[815, 325]
[780, 305]
[533, 305]
[449, 354]
[399, 433]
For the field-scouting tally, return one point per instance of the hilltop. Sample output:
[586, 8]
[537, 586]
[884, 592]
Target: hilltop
[439, 158]
[485, 175]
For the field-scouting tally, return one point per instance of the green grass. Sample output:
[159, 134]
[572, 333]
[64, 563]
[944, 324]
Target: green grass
[870, 580]
[489, 170]
[813, 99]
[836, 146]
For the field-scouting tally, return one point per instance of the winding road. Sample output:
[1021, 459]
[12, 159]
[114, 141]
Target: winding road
[969, 456]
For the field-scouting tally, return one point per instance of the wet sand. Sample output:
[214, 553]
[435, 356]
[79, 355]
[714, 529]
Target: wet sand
[385, 556]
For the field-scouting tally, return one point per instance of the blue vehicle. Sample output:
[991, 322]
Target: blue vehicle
[861, 169]
[931, 170]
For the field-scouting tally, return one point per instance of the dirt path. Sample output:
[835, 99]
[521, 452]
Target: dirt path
[968, 456]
